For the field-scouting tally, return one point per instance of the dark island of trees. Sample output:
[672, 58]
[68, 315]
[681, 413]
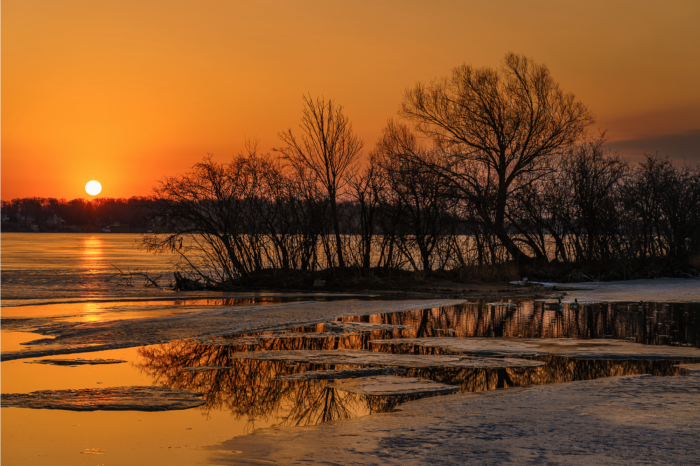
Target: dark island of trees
[488, 174]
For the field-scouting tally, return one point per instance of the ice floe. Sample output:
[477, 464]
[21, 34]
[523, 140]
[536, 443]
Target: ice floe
[572, 348]
[309, 335]
[363, 326]
[337, 374]
[667, 290]
[368, 358]
[224, 341]
[76, 362]
[389, 385]
[690, 367]
[107, 399]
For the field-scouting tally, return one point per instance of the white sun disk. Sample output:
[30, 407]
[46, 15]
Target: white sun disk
[93, 188]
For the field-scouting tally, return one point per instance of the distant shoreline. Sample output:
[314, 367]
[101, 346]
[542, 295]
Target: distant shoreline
[131, 231]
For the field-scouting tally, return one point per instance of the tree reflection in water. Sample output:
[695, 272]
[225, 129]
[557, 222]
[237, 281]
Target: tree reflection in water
[558, 370]
[252, 389]
[648, 323]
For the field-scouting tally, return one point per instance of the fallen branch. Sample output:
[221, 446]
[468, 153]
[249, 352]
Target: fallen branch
[127, 276]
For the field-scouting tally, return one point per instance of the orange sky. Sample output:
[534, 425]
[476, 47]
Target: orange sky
[126, 92]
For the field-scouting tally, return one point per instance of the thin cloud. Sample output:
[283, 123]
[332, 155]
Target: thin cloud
[681, 148]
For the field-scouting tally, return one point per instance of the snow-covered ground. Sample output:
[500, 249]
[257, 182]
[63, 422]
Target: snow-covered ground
[667, 290]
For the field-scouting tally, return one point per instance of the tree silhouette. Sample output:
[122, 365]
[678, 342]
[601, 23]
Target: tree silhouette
[495, 128]
[327, 148]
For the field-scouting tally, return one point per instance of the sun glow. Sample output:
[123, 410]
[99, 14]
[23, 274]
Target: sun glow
[93, 188]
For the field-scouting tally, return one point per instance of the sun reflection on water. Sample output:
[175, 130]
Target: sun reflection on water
[92, 312]
[92, 254]
[92, 249]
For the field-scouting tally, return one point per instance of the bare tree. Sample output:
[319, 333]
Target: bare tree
[418, 197]
[593, 178]
[367, 193]
[328, 148]
[665, 199]
[204, 210]
[496, 127]
[219, 218]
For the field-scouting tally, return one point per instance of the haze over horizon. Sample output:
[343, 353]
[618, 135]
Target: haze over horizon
[131, 91]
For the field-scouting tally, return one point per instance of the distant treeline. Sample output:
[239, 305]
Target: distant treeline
[49, 214]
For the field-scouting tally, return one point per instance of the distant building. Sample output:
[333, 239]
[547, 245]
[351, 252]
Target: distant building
[55, 221]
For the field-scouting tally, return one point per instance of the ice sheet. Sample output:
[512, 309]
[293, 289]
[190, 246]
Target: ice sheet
[369, 358]
[667, 290]
[107, 399]
[69, 338]
[620, 420]
[390, 385]
[568, 347]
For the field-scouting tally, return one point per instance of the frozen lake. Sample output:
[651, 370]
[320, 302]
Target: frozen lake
[62, 322]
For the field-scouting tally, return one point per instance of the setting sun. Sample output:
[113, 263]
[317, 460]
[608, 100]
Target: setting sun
[93, 188]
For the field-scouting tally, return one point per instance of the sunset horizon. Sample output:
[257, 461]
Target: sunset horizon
[131, 92]
[401, 232]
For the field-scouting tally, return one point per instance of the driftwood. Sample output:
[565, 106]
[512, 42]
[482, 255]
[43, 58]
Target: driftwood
[127, 277]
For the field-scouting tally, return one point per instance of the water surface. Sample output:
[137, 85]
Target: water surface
[42, 267]
[71, 271]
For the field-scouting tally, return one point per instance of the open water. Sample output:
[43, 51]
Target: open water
[50, 267]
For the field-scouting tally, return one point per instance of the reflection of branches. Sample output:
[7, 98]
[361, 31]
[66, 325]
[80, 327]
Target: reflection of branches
[318, 402]
[651, 323]
[252, 388]
[248, 387]
[557, 370]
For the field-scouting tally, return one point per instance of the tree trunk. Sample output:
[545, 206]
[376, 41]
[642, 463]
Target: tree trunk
[336, 227]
